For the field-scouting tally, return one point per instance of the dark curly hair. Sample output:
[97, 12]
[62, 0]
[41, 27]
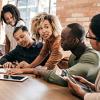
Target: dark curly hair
[13, 10]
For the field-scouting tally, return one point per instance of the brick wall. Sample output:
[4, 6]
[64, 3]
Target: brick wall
[80, 11]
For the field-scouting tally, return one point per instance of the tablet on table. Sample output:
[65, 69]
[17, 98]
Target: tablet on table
[17, 78]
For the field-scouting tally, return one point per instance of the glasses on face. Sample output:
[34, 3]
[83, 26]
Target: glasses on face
[91, 37]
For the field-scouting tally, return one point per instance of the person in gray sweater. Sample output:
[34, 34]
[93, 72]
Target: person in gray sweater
[94, 36]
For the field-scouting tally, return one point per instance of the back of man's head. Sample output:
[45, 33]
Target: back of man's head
[95, 26]
[77, 30]
[23, 28]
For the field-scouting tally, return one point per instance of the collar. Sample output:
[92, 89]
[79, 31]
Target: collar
[79, 50]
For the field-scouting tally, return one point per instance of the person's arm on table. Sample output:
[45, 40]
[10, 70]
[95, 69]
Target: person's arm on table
[77, 88]
[35, 71]
[43, 54]
[84, 81]
[15, 71]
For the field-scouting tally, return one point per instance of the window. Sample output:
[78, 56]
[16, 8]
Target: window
[29, 8]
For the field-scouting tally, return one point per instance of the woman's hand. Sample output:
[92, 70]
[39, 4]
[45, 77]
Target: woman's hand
[23, 64]
[76, 88]
[81, 79]
[9, 65]
[84, 81]
[14, 71]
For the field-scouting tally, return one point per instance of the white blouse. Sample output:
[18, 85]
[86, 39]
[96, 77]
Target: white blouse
[9, 33]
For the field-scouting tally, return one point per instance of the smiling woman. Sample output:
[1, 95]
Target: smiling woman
[10, 15]
[45, 30]
[50, 30]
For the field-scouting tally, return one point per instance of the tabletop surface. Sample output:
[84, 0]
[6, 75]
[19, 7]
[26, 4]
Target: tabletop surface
[33, 89]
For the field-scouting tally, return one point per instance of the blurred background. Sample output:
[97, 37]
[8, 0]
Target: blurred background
[68, 11]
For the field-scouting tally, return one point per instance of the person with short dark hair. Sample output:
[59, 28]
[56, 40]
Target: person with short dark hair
[83, 61]
[49, 29]
[94, 36]
[26, 50]
[10, 15]
[23, 28]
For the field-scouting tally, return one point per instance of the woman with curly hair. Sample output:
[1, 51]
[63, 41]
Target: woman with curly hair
[49, 29]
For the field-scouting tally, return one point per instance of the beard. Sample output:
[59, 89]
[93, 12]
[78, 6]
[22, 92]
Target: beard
[65, 47]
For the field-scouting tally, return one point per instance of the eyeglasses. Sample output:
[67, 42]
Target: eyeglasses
[93, 38]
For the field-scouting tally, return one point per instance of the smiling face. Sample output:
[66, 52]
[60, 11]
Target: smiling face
[45, 30]
[22, 38]
[9, 18]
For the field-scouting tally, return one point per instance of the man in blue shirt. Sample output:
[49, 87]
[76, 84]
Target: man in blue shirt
[26, 50]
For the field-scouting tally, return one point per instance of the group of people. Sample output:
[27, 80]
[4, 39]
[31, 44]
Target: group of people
[27, 55]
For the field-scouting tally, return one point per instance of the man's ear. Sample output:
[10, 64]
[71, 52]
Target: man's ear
[76, 40]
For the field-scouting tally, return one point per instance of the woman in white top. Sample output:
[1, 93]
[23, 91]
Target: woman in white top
[10, 15]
